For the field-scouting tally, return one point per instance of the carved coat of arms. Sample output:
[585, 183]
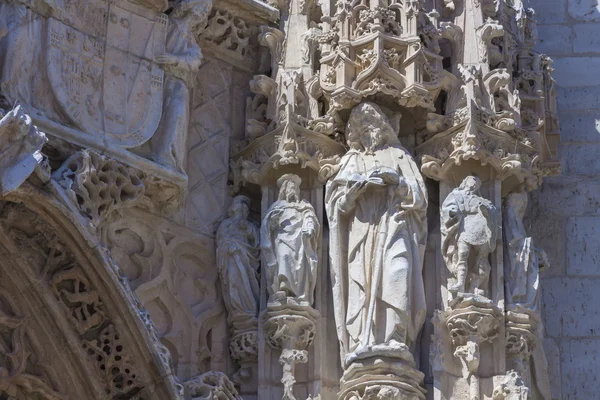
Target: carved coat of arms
[100, 66]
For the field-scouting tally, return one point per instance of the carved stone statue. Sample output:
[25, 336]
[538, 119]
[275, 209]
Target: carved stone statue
[238, 261]
[20, 148]
[289, 239]
[186, 21]
[523, 261]
[376, 207]
[469, 227]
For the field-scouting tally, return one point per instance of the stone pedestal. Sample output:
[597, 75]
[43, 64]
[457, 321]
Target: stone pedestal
[393, 377]
[472, 322]
[290, 328]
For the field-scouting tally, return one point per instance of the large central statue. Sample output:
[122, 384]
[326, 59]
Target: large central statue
[376, 207]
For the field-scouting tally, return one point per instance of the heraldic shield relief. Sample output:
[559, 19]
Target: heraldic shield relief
[107, 82]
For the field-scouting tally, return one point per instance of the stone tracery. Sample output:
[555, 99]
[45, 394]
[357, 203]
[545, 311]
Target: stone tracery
[365, 111]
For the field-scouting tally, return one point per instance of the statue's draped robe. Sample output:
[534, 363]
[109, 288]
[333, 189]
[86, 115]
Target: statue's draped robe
[237, 258]
[522, 274]
[355, 241]
[521, 277]
[289, 252]
[23, 78]
[170, 139]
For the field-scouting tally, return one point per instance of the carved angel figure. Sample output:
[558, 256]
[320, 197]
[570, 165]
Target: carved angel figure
[376, 206]
[289, 240]
[186, 21]
[237, 260]
[469, 226]
[523, 261]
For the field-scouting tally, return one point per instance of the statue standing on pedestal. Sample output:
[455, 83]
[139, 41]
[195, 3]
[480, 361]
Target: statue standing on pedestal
[523, 260]
[469, 228]
[522, 264]
[289, 238]
[181, 63]
[238, 250]
[376, 207]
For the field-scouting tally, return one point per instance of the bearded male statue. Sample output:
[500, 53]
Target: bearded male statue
[289, 241]
[376, 206]
[469, 228]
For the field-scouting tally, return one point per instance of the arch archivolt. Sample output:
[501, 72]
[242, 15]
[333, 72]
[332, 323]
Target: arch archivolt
[70, 328]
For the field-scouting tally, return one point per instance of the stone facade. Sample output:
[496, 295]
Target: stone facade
[298, 199]
[565, 212]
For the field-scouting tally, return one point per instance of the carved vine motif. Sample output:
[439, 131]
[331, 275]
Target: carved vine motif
[59, 269]
[112, 362]
[211, 386]
[229, 32]
[99, 185]
[15, 381]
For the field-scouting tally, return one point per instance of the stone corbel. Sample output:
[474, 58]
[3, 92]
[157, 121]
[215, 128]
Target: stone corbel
[472, 322]
[290, 328]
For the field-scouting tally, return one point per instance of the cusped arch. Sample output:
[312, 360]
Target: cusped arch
[81, 332]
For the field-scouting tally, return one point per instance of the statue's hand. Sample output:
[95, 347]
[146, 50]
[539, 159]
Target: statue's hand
[167, 59]
[356, 190]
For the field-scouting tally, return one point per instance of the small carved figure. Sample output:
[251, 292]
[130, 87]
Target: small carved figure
[469, 227]
[376, 206]
[289, 240]
[211, 385]
[186, 22]
[523, 261]
[237, 260]
[20, 148]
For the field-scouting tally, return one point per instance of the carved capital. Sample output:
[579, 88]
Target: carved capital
[290, 144]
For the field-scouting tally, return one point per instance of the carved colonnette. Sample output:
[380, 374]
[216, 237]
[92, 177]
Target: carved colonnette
[351, 107]
[499, 131]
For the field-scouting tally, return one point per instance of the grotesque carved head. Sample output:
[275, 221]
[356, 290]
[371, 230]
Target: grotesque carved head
[369, 128]
[471, 184]
[289, 187]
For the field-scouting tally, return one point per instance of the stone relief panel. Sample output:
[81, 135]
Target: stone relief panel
[173, 272]
[116, 103]
[217, 117]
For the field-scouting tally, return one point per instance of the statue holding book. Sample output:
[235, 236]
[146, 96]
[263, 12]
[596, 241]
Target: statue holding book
[376, 207]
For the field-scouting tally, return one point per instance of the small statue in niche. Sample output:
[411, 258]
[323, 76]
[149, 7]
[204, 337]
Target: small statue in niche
[289, 239]
[469, 230]
[523, 261]
[181, 63]
[238, 247]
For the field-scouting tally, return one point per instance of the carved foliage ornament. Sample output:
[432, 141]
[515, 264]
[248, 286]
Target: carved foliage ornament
[14, 378]
[83, 306]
